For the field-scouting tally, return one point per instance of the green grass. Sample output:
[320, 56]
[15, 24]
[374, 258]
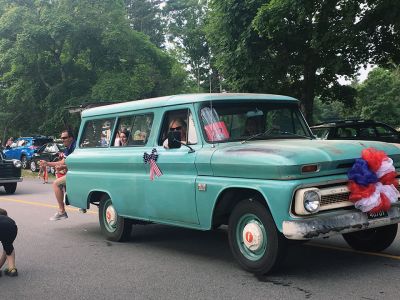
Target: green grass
[29, 174]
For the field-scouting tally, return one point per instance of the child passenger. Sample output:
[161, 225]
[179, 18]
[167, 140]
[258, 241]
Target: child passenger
[8, 233]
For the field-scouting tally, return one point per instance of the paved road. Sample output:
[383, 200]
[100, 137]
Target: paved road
[71, 260]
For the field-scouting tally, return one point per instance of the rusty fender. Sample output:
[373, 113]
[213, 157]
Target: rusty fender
[331, 225]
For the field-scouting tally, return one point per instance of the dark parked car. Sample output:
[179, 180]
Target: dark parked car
[10, 173]
[48, 152]
[24, 147]
[356, 130]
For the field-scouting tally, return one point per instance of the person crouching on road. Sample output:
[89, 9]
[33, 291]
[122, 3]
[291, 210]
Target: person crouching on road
[59, 184]
[8, 233]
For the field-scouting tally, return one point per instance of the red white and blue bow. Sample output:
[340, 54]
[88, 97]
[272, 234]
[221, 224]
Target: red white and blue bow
[372, 181]
[151, 160]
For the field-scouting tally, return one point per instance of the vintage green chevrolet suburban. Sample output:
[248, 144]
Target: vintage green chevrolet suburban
[200, 161]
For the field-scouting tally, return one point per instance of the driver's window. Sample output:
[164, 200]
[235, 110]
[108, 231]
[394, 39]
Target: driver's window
[179, 121]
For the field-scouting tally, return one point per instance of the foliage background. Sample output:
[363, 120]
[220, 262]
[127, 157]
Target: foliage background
[56, 54]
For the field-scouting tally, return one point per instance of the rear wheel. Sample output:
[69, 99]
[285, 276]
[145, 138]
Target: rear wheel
[113, 226]
[10, 187]
[374, 239]
[254, 239]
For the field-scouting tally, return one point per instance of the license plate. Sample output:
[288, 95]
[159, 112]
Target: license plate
[377, 215]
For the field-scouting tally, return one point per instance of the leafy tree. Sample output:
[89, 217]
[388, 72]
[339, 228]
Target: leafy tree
[327, 111]
[378, 96]
[56, 54]
[379, 24]
[145, 16]
[186, 33]
[295, 47]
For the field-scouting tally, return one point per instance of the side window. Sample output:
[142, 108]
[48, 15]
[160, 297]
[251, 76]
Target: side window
[346, 132]
[133, 130]
[182, 121]
[124, 130]
[386, 132]
[141, 128]
[366, 132]
[97, 133]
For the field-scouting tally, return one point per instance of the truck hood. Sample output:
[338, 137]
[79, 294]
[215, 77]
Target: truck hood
[283, 159]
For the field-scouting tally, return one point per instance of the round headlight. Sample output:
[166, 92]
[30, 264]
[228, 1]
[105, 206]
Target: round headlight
[311, 201]
[17, 163]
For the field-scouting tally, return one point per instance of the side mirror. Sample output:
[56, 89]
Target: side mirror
[174, 139]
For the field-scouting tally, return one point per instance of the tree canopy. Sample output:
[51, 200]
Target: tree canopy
[296, 47]
[56, 54]
[379, 96]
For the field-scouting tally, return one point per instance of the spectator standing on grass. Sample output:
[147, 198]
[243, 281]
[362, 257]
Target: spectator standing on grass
[59, 184]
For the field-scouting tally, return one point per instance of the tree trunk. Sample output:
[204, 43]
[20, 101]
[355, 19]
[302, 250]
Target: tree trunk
[309, 92]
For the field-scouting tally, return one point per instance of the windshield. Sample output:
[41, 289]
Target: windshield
[224, 122]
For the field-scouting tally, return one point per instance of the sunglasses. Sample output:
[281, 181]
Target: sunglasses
[64, 137]
[176, 128]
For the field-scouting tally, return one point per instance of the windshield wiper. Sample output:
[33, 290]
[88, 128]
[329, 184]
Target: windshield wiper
[295, 134]
[266, 132]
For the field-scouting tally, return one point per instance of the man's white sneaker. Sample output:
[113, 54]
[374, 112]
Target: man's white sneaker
[59, 216]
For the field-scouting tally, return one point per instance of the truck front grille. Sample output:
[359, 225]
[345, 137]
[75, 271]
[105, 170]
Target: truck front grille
[7, 170]
[336, 197]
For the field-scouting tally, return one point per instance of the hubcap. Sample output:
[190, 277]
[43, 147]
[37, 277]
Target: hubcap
[111, 216]
[251, 237]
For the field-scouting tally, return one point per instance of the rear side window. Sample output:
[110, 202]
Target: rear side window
[386, 132]
[97, 133]
[41, 142]
[134, 129]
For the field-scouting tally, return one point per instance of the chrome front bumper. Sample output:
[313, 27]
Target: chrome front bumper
[323, 226]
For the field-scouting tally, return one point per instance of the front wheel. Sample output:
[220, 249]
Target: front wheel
[113, 226]
[374, 239]
[10, 187]
[254, 239]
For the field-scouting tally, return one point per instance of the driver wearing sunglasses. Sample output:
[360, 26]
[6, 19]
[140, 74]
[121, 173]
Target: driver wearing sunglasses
[177, 124]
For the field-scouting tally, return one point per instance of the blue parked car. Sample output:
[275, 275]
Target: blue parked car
[24, 147]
